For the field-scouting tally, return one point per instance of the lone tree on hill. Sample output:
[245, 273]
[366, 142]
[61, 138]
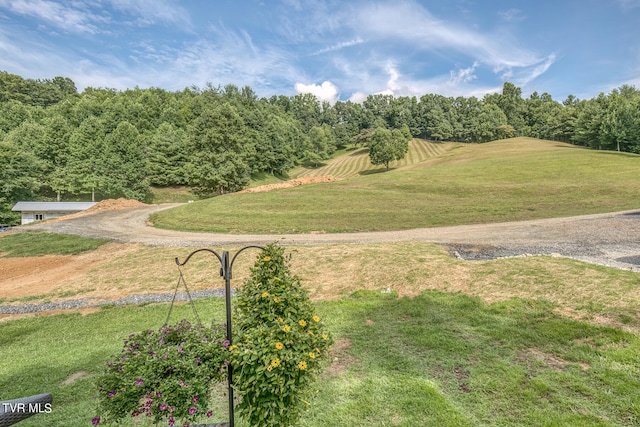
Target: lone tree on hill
[387, 145]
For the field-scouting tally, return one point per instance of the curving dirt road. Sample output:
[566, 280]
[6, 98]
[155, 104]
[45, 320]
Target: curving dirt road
[611, 239]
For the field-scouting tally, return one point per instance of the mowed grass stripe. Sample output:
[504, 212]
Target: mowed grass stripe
[356, 162]
[509, 180]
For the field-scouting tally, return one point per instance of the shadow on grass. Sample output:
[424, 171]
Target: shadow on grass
[359, 152]
[375, 171]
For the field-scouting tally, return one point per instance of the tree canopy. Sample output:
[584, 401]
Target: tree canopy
[58, 143]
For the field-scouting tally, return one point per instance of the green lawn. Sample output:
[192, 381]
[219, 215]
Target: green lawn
[437, 359]
[509, 180]
[34, 243]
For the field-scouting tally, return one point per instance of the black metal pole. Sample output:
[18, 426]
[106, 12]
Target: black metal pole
[226, 267]
[225, 271]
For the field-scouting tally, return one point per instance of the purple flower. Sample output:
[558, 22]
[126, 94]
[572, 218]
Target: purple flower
[226, 343]
[172, 421]
[193, 410]
[139, 381]
[163, 407]
[209, 413]
[197, 360]
[95, 421]
[195, 398]
[113, 393]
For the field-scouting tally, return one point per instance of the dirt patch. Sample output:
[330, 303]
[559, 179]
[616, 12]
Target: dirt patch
[341, 359]
[75, 377]
[291, 183]
[550, 360]
[33, 276]
[105, 205]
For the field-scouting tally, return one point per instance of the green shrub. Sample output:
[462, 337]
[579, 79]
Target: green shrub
[280, 343]
[165, 375]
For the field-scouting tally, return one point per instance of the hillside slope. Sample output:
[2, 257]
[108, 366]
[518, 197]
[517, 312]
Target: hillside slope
[508, 180]
[357, 162]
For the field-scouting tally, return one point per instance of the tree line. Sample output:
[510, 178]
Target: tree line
[56, 142]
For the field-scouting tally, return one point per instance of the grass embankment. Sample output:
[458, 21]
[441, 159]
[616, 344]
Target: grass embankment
[34, 243]
[508, 180]
[437, 359]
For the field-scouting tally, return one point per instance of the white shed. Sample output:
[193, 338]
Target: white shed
[40, 211]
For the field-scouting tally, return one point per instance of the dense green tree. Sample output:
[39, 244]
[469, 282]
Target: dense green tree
[168, 156]
[14, 113]
[279, 146]
[322, 143]
[218, 138]
[20, 179]
[124, 165]
[589, 122]
[490, 119]
[386, 146]
[84, 172]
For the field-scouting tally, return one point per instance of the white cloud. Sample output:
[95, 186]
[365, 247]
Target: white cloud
[327, 91]
[464, 75]
[65, 17]
[358, 97]
[408, 23]
[511, 15]
[340, 45]
[152, 11]
[93, 17]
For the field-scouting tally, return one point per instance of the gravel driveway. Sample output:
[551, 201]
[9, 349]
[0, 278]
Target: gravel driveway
[611, 239]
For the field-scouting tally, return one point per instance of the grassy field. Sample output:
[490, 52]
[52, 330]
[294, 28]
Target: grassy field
[355, 161]
[511, 342]
[421, 338]
[516, 179]
[436, 359]
[35, 243]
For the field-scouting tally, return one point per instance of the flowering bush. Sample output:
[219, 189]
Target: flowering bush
[279, 345]
[168, 374]
[165, 375]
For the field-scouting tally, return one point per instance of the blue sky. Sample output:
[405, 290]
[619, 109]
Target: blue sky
[343, 49]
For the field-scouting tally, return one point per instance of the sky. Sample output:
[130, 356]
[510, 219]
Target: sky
[337, 50]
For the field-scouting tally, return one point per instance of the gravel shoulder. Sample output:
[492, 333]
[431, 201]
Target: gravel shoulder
[611, 239]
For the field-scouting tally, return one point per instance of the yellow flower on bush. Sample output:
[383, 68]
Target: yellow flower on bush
[302, 365]
[275, 363]
[312, 355]
[302, 323]
[265, 294]
[266, 259]
[269, 368]
[311, 333]
[232, 347]
[279, 346]
[316, 318]
[280, 319]
[276, 300]
[325, 337]
[286, 328]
